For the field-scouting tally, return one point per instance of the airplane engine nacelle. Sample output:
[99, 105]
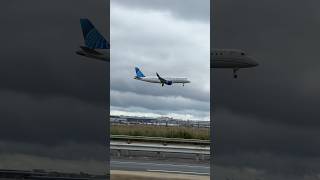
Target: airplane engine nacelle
[168, 82]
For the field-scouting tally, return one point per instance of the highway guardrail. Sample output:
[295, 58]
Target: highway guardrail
[125, 149]
[164, 141]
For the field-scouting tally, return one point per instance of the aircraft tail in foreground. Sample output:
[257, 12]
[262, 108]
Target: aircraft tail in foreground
[93, 40]
[92, 37]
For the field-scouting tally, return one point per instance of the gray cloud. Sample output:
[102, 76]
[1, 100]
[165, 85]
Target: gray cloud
[165, 102]
[267, 119]
[170, 106]
[184, 9]
[158, 42]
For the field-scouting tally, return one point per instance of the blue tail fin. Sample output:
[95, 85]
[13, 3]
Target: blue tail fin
[139, 73]
[92, 38]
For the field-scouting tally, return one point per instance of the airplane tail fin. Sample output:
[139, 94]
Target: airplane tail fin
[139, 73]
[92, 38]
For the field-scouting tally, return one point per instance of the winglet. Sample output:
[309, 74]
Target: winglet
[92, 38]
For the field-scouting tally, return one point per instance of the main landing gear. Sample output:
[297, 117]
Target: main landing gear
[235, 73]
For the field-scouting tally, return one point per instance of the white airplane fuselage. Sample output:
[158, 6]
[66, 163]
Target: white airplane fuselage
[155, 79]
[231, 58]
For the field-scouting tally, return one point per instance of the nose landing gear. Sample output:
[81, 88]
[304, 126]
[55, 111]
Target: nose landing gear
[235, 73]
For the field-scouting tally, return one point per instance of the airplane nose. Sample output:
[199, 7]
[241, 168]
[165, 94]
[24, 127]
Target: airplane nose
[253, 62]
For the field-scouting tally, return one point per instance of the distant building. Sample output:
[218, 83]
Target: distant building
[161, 121]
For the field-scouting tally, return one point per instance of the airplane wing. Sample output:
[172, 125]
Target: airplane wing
[163, 81]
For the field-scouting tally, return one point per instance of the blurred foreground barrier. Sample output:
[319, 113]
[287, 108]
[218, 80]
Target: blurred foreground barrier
[164, 141]
[158, 150]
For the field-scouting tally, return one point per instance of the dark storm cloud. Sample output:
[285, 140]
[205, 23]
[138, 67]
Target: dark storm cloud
[72, 151]
[53, 102]
[38, 53]
[268, 118]
[276, 149]
[258, 136]
[283, 43]
[50, 120]
[29, 162]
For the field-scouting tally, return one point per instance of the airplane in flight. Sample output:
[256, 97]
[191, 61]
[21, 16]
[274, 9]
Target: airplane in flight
[158, 79]
[219, 58]
[231, 59]
[93, 40]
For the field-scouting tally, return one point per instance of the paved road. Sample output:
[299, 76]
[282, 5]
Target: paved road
[162, 167]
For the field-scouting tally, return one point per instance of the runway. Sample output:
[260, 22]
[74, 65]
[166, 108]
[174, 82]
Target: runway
[161, 167]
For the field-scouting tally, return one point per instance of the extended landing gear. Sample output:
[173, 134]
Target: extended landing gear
[182, 84]
[235, 73]
[162, 84]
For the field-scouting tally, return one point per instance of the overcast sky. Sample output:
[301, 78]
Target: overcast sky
[53, 102]
[171, 37]
[267, 120]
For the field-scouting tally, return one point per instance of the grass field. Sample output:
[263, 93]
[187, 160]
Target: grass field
[161, 131]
